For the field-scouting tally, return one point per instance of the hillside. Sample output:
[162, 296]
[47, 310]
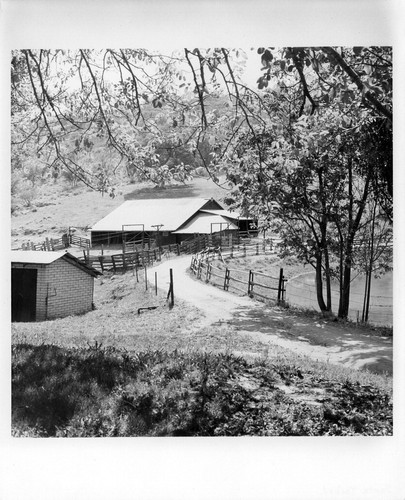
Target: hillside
[57, 207]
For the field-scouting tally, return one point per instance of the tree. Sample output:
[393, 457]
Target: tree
[346, 76]
[62, 99]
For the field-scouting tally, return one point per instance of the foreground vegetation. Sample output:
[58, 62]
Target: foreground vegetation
[107, 392]
[114, 372]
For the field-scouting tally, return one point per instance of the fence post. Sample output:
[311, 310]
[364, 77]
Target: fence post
[171, 290]
[226, 279]
[280, 295]
[250, 284]
[156, 283]
[244, 249]
[199, 269]
[207, 273]
[146, 278]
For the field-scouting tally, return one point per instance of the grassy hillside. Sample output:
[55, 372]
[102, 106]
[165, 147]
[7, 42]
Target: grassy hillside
[58, 206]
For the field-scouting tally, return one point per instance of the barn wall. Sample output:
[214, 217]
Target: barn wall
[70, 290]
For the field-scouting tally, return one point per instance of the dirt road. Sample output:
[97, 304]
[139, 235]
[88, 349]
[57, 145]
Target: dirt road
[323, 340]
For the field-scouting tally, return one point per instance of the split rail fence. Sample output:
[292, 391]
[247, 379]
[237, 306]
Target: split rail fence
[253, 283]
[122, 261]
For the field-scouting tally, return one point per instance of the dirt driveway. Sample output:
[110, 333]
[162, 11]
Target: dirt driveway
[323, 340]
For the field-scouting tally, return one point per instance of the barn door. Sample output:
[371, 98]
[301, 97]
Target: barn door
[24, 294]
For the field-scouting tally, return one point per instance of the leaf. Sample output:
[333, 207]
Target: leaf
[266, 59]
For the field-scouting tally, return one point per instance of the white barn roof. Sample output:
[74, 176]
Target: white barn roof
[171, 212]
[206, 223]
[226, 213]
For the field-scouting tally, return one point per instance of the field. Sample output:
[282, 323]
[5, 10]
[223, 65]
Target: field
[122, 371]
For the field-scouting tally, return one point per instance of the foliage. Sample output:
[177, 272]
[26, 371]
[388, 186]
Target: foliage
[106, 392]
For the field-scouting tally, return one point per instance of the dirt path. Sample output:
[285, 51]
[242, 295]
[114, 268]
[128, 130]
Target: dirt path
[322, 340]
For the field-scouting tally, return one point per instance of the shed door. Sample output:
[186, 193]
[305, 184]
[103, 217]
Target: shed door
[24, 294]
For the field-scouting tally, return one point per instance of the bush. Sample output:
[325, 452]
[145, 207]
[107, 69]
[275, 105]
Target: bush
[105, 392]
[28, 195]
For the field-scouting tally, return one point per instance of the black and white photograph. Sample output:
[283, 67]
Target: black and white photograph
[202, 240]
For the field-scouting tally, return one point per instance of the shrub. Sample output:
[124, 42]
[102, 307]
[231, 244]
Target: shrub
[105, 392]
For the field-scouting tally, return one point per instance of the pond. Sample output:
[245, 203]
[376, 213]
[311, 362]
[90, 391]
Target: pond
[301, 291]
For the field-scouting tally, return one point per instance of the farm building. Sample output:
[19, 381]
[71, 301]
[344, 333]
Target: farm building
[169, 220]
[47, 285]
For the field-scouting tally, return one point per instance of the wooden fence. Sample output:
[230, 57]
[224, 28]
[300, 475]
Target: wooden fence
[53, 244]
[79, 241]
[49, 245]
[122, 261]
[250, 282]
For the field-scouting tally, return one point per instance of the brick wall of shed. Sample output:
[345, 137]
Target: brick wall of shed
[70, 290]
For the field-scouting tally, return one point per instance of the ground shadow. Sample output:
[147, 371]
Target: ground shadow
[360, 349]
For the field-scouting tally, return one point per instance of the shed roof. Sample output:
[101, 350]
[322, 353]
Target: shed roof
[46, 258]
[171, 212]
[205, 223]
[34, 257]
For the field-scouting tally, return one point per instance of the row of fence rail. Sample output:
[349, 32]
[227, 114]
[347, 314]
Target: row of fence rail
[253, 283]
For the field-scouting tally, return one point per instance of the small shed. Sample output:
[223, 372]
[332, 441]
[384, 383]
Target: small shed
[48, 285]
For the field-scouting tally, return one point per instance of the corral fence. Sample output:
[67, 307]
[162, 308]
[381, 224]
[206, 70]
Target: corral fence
[122, 262]
[54, 244]
[253, 283]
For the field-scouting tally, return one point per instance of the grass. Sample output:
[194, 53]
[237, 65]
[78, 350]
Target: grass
[104, 392]
[112, 372]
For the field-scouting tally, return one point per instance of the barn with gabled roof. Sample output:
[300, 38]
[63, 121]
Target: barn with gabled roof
[173, 219]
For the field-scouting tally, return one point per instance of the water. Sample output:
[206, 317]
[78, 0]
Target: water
[301, 291]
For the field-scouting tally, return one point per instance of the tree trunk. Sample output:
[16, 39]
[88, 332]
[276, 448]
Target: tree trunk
[345, 289]
[353, 226]
[319, 284]
[328, 282]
